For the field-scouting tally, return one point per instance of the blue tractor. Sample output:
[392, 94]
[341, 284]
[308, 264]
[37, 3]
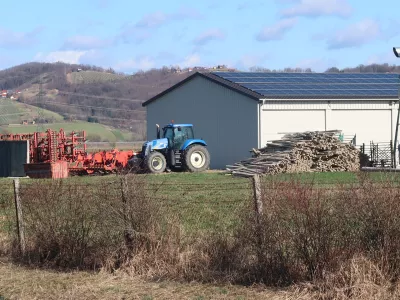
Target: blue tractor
[174, 149]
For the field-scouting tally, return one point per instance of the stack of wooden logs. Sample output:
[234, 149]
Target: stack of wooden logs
[311, 151]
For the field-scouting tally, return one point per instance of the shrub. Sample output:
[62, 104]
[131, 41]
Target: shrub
[307, 232]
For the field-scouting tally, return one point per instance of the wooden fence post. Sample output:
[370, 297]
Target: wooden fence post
[258, 211]
[257, 194]
[128, 227]
[20, 219]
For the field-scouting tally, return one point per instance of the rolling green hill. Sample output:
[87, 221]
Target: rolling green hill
[86, 93]
[94, 131]
[13, 112]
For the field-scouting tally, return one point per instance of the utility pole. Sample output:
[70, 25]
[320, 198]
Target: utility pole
[396, 51]
[40, 127]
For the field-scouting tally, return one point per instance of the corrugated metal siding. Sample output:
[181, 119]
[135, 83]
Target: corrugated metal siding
[368, 125]
[226, 120]
[275, 123]
[370, 120]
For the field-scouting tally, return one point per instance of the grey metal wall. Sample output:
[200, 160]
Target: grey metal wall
[225, 119]
[13, 156]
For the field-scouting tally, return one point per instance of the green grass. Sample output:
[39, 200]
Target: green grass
[105, 132]
[13, 112]
[210, 201]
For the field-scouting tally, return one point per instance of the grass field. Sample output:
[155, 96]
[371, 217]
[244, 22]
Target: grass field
[92, 129]
[211, 201]
[13, 112]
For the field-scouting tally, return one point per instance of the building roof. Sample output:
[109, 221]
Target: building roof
[318, 85]
[260, 85]
[214, 78]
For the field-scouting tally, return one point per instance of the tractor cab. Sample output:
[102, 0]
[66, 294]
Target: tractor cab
[176, 134]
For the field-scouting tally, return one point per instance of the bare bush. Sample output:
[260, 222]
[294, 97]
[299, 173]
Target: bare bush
[79, 225]
[321, 234]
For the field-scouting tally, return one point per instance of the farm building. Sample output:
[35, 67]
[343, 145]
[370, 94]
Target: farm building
[236, 111]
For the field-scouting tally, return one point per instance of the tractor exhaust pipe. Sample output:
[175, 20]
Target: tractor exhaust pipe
[158, 131]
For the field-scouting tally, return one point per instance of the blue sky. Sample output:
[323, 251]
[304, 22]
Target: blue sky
[132, 35]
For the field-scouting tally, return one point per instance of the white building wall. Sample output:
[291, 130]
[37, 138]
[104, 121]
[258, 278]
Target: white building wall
[225, 119]
[369, 120]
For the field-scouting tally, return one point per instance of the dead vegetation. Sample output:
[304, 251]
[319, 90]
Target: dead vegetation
[337, 241]
[17, 282]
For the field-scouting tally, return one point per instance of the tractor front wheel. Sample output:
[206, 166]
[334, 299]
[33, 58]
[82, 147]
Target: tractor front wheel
[197, 159]
[156, 163]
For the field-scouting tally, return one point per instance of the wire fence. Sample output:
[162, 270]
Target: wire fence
[239, 222]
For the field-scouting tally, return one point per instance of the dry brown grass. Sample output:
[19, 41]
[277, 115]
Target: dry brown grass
[22, 283]
[359, 279]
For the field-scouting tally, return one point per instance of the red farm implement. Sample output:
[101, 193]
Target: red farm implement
[57, 154]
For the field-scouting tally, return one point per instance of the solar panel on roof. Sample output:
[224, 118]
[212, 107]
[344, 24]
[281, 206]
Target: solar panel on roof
[311, 75]
[317, 84]
[255, 86]
[328, 92]
[315, 81]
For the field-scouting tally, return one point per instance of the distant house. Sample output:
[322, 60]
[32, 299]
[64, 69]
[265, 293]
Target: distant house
[4, 94]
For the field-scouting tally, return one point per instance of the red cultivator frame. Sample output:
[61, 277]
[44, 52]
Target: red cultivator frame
[52, 147]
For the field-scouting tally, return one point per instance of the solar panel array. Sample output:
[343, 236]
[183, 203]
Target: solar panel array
[317, 85]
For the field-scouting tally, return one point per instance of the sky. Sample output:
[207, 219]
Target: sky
[139, 35]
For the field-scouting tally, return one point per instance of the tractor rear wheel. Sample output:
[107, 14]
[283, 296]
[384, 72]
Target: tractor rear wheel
[197, 159]
[156, 162]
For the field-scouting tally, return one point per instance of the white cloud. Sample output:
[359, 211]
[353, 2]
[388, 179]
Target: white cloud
[71, 57]
[152, 20]
[208, 36]
[12, 39]
[86, 42]
[316, 8]
[143, 29]
[276, 31]
[140, 63]
[354, 35]
[360, 33]
[159, 18]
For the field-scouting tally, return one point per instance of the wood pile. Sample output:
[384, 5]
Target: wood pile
[311, 151]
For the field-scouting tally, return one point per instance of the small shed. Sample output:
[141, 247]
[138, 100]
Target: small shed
[13, 154]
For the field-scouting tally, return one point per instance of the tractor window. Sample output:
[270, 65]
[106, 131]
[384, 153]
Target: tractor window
[188, 132]
[179, 138]
[169, 134]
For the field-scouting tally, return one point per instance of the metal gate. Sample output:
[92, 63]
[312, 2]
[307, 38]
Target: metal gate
[377, 155]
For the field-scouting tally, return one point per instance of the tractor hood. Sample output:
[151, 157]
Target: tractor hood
[157, 144]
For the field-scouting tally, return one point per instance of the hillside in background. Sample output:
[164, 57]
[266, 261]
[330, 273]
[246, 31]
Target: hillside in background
[85, 93]
[81, 95]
